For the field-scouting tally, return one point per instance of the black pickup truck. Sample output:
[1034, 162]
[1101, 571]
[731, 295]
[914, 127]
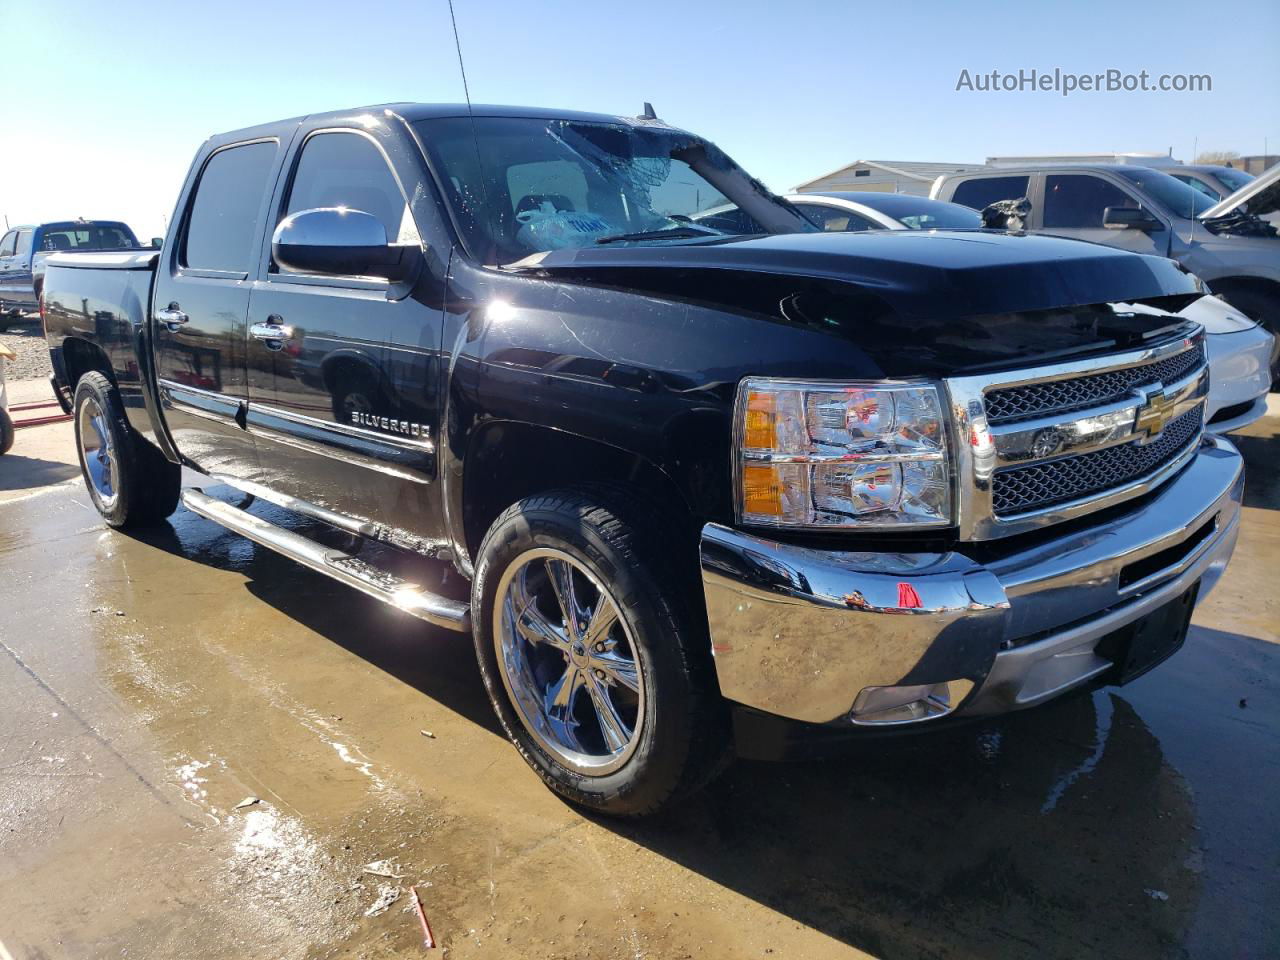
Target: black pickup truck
[707, 490]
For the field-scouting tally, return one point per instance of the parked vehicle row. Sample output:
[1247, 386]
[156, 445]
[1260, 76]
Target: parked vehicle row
[24, 249]
[1241, 352]
[1232, 245]
[711, 490]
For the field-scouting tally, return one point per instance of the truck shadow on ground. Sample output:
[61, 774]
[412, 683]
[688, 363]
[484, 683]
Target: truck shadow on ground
[1063, 831]
[18, 472]
[1262, 482]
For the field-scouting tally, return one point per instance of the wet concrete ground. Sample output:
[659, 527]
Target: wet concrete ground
[150, 684]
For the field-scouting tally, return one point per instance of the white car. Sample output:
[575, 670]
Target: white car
[1240, 351]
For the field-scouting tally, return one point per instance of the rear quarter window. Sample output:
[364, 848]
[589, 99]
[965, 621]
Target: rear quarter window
[984, 191]
[227, 207]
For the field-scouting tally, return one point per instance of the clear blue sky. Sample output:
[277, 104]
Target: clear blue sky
[105, 102]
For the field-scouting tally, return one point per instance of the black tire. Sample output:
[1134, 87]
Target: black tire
[147, 485]
[6, 432]
[1261, 306]
[683, 741]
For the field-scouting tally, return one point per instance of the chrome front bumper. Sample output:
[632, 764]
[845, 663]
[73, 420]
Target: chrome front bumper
[799, 632]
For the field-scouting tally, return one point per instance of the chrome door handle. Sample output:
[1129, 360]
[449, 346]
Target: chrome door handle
[275, 334]
[172, 317]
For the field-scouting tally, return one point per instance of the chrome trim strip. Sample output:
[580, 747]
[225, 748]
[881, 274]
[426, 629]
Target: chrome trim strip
[348, 429]
[409, 597]
[343, 454]
[1096, 428]
[396, 456]
[1067, 370]
[209, 404]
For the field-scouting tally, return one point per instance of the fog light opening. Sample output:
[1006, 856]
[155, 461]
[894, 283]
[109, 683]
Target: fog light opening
[877, 706]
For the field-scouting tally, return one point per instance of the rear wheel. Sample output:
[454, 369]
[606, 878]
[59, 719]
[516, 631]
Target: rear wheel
[129, 480]
[594, 656]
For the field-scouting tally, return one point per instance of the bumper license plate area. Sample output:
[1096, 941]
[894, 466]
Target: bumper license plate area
[1137, 647]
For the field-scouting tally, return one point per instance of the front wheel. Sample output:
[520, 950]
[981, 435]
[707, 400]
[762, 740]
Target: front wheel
[129, 480]
[594, 655]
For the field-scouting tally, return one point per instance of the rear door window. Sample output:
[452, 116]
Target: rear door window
[226, 209]
[1078, 200]
[984, 191]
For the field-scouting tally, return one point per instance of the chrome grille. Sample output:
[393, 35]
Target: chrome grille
[1052, 442]
[1011, 404]
[1020, 489]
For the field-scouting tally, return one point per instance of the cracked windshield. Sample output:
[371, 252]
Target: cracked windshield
[523, 186]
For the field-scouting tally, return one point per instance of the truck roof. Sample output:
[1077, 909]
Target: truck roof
[67, 223]
[432, 111]
[1064, 165]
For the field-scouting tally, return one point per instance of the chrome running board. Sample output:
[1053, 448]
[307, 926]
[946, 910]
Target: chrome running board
[368, 579]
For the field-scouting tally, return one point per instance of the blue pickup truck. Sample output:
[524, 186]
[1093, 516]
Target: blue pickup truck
[24, 249]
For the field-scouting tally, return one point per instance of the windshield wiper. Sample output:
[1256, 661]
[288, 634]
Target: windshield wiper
[684, 232]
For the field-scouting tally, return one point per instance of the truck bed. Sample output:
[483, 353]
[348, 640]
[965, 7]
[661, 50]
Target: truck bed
[98, 304]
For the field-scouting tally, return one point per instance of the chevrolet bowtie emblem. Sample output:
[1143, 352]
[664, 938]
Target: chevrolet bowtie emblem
[1153, 415]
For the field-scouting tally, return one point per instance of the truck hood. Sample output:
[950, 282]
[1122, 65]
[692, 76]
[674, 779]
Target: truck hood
[914, 274]
[1262, 197]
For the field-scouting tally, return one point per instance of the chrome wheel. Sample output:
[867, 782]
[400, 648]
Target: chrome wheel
[98, 453]
[568, 662]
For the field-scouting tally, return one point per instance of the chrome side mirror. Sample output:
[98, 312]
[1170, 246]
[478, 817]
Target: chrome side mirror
[337, 241]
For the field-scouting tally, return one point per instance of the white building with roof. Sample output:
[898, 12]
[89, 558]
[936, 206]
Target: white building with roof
[885, 176]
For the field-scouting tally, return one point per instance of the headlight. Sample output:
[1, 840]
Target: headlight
[824, 454]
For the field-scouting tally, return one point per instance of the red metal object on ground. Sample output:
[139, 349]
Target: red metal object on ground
[19, 408]
[428, 940]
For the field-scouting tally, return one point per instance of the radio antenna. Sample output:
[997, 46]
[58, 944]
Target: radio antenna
[466, 92]
[461, 66]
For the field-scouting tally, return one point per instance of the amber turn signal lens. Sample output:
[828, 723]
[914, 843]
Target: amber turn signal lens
[759, 433]
[762, 491]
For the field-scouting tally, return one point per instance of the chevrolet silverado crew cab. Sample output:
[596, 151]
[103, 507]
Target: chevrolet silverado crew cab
[706, 491]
